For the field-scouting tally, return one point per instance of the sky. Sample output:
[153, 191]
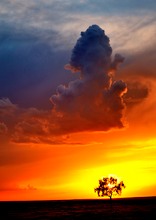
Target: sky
[77, 100]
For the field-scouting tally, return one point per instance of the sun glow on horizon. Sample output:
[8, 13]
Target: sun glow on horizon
[62, 130]
[134, 165]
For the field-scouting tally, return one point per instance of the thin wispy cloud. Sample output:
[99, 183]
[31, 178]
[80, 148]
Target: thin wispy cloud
[43, 17]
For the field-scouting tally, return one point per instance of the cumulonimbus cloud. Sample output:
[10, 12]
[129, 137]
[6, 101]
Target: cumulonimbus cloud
[92, 102]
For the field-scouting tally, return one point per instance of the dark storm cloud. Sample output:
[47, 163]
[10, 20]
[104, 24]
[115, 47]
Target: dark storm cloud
[139, 73]
[90, 103]
[94, 101]
[28, 125]
[137, 92]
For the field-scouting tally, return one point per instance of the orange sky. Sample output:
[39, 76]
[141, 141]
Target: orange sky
[93, 128]
[72, 171]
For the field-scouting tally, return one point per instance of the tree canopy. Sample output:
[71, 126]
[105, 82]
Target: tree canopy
[109, 186]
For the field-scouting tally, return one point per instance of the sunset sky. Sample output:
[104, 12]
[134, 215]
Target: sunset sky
[72, 112]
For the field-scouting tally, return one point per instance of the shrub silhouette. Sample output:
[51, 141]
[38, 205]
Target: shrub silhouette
[109, 186]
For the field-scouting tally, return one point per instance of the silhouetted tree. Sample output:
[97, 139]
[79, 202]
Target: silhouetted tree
[109, 186]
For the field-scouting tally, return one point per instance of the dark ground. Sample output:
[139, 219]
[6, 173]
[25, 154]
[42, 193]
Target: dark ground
[128, 208]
